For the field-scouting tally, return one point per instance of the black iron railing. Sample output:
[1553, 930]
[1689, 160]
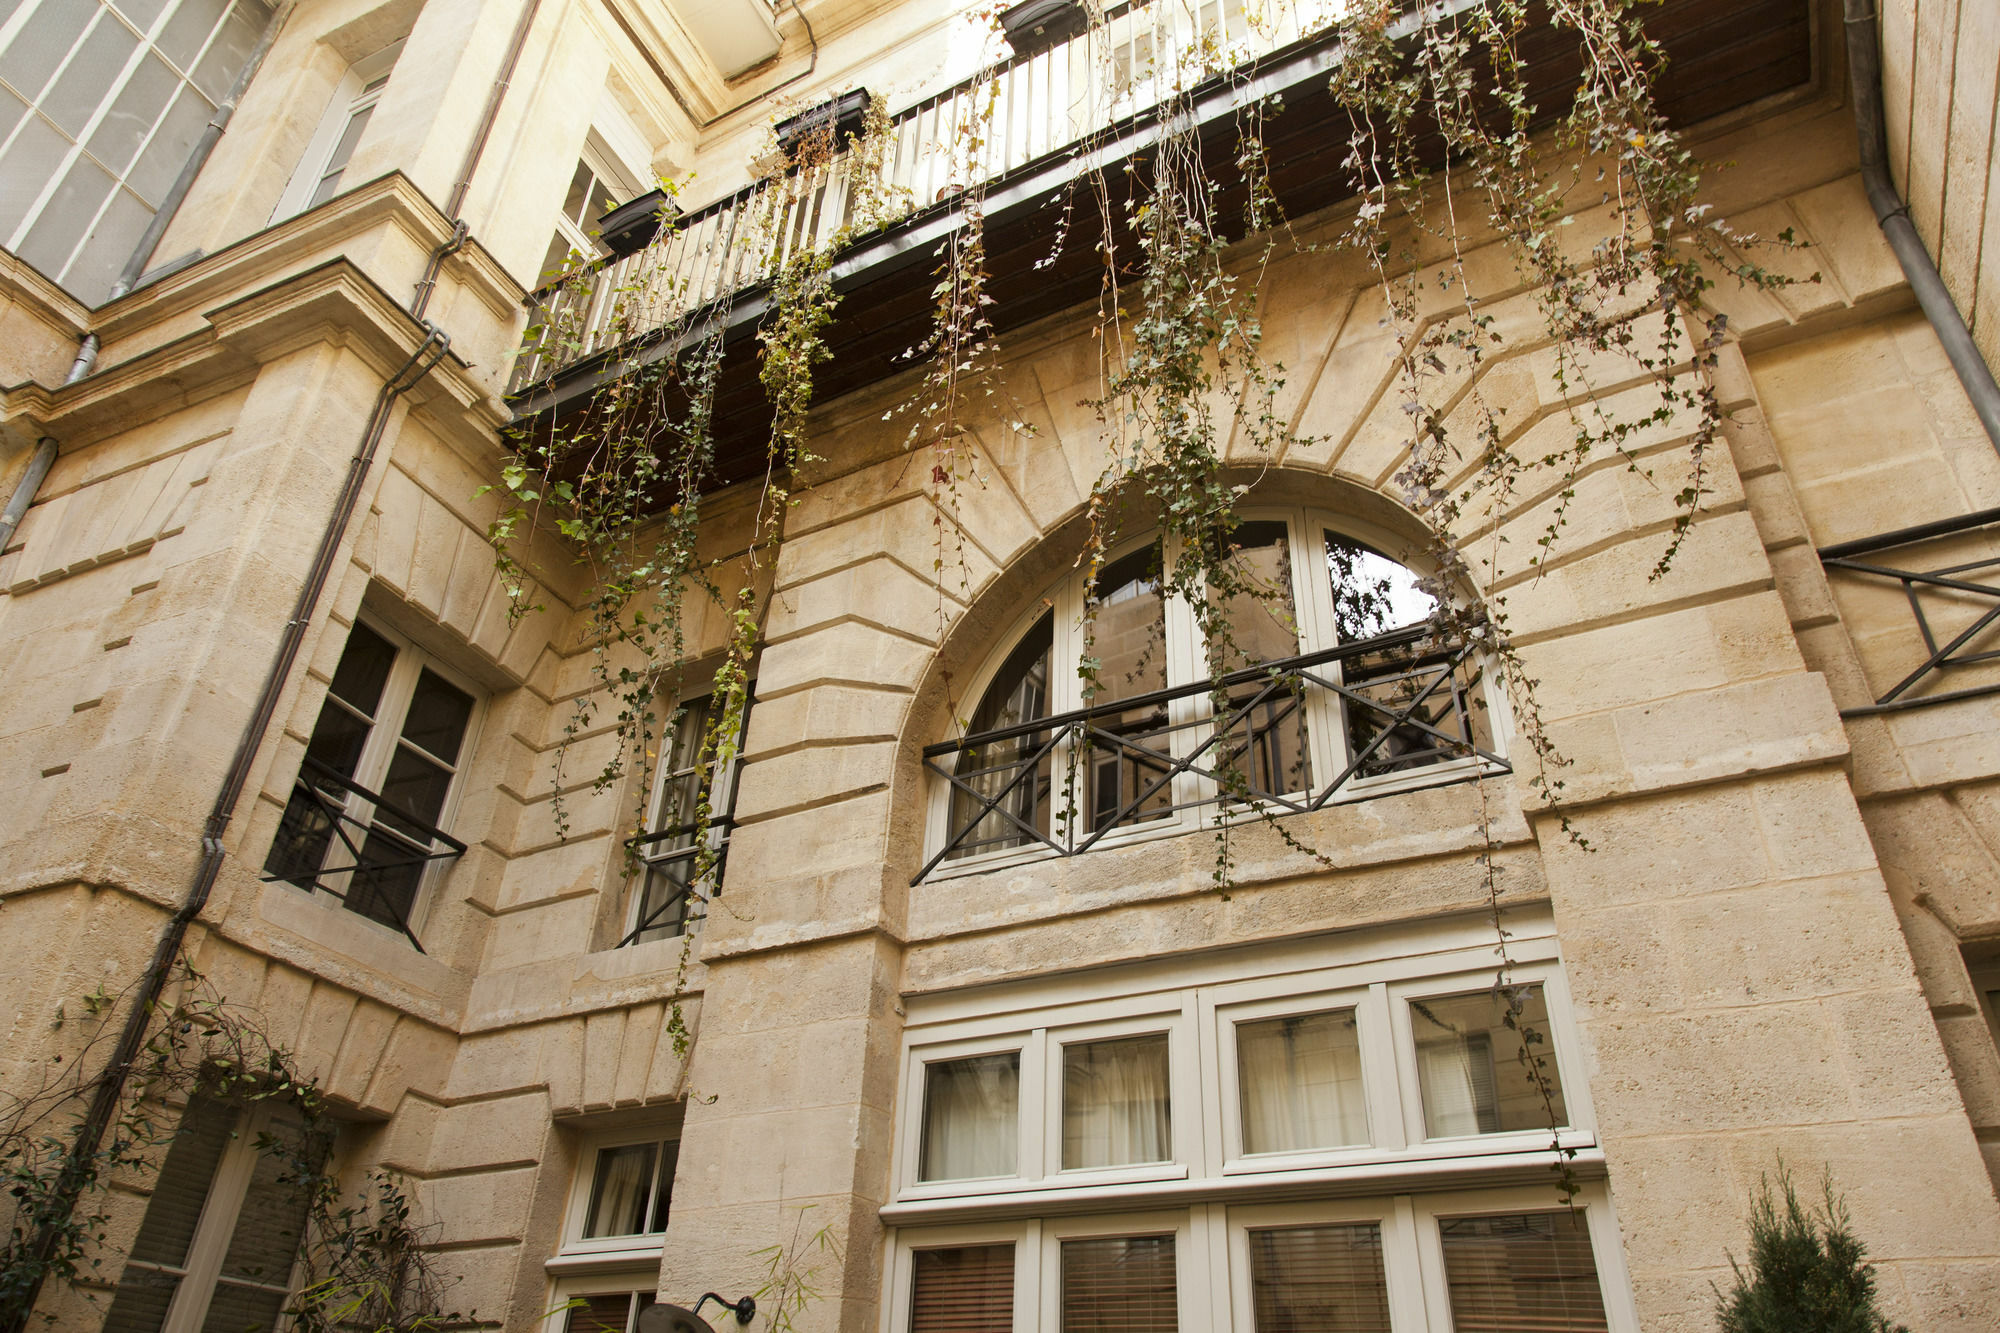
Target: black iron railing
[675, 886]
[1949, 588]
[1401, 708]
[339, 838]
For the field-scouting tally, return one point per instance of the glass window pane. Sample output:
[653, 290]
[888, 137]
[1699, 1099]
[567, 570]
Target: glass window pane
[343, 153]
[364, 669]
[109, 248]
[231, 50]
[1372, 594]
[141, 12]
[1524, 1273]
[663, 1188]
[1258, 613]
[1474, 1055]
[620, 1190]
[1128, 639]
[582, 186]
[417, 788]
[67, 216]
[39, 47]
[81, 87]
[602, 1312]
[33, 159]
[187, 31]
[995, 785]
[439, 711]
[971, 1110]
[966, 1289]
[115, 141]
[12, 109]
[1116, 1103]
[1119, 1285]
[1300, 1083]
[167, 152]
[1309, 1279]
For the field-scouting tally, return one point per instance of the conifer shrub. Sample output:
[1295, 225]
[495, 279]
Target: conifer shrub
[1805, 1272]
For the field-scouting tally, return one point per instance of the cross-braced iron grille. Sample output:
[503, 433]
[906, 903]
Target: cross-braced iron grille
[1950, 588]
[1403, 704]
[339, 838]
[674, 894]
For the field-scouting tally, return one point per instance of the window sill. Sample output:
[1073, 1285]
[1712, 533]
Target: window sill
[577, 1261]
[1396, 1176]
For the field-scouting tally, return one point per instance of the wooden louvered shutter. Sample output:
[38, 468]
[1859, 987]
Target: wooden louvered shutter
[965, 1289]
[1119, 1285]
[601, 1312]
[1304, 1279]
[158, 1260]
[1521, 1273]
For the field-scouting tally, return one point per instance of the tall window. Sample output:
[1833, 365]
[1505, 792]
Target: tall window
[222, 1228]
[1334, 691]
[671, 891]
[609, 1263]
[376, 783]
[324, 165]
[595, 187]
[100, 105]
[1134, 1161]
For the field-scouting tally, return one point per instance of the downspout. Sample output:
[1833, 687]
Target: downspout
[211, 134]
[1864, 72]
[24, 490]
[454, 209]
[132, 1037]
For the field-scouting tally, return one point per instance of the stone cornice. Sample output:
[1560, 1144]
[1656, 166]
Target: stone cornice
[21, 283]
[332, 302]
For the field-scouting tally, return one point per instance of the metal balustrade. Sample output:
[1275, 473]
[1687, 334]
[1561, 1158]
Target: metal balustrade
[1406, 710]
[1043, 103]
[339, 838]
[674, 892]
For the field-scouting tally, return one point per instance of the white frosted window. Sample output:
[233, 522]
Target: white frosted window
[1115, 1107]
[1477, 1064]
[1300, 1082]
[100, 107]
[971, 1109]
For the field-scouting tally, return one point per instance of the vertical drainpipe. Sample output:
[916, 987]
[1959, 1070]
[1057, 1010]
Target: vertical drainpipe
[24, 490]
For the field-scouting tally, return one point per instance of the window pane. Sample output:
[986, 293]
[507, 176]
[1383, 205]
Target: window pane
[1128, 638]
[438, 713]
[969, 1289]
[1115, 1103]
[663, 1188]
[170, 146]
[108, 248]
[1010, 776]
[1309, 1279]
[620, 1190]
[141, 12]
[364, 669]
[1372, 594]
[272, 1221]
[1473, 1063]
[1265, 739]
[582, 187]
[417, 786]
[117, 138]
[188, 29]
[231, 51]
[37, 153]
[83, 85]
[604, 1312]
[66, 217]
[1121, 1285]
[39, 47]
[1524, 1273]
[971, 1110]
[1300, 1083]
[343, 153]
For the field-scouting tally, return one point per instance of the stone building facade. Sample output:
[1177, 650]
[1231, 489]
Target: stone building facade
[1785, 944]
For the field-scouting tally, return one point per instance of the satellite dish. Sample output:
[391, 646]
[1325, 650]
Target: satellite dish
[671, 1319]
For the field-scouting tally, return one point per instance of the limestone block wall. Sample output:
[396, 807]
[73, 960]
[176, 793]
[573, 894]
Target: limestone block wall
[1739, 972]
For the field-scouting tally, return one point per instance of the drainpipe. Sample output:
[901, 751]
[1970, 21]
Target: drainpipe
[132, 1037]
[211, 134]
[24, 490]
[1864, 70]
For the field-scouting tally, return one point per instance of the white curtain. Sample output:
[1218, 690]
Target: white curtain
[617, 1196]
[970, 1111]
[1300, 1083]
[1115, 1103]
[1457, 1077]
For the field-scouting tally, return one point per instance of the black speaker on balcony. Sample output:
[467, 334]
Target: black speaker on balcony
[632, 226]
[1036, 25]
[847, 114]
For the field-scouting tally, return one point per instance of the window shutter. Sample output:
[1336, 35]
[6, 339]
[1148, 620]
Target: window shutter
[603, 1312]
[153, 1269]
[1522, 1273]
[969, 1289]
[1303, 1279]
[1119, 1285]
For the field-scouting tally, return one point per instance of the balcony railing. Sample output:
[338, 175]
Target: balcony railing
[1044, 103]
[1392, 713]
[339, 838]
[1955, 606]
[674, 889]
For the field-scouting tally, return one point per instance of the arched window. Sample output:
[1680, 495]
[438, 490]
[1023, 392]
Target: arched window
[1334, 685]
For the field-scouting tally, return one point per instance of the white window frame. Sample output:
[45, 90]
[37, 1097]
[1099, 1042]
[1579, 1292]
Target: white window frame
[1186, 663]
[384, 733]
[615, 1256]
[228, 1188]
[717, 836]
[358, 91]
[566, 1289]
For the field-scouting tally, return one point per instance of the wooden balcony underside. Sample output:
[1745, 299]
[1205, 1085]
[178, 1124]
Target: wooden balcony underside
[1723, 55]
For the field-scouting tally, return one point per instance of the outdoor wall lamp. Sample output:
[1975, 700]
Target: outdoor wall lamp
[675, 1319]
